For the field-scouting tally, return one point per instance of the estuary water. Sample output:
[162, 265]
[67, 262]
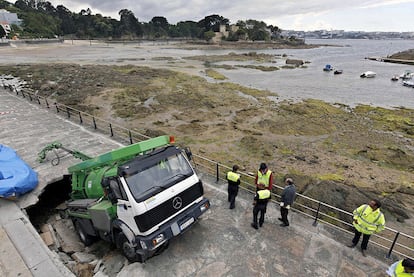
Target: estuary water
[293, 84]
[346, 88]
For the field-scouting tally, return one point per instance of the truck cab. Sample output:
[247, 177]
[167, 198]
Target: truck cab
[140, 201]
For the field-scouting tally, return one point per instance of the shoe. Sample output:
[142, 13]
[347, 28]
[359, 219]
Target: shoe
[284, 225]
[231, 207]
[254, 226]
[260, 224]
[363, 252]
[280, 219]
[351, 245]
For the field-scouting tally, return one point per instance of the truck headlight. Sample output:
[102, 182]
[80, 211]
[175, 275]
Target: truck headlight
[158, 239]
[143, 245]
[204, 207]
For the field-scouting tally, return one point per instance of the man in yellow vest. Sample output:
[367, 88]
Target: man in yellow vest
[264, 176]
[261, 198]
[368, 219]
[402, 268]
[233, 179]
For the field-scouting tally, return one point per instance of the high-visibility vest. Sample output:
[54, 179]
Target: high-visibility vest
[263, 178]
[232, 176]
[263, 194]
[369, 221]
[399, 271]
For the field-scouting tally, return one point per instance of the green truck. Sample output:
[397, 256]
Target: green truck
[137, 197]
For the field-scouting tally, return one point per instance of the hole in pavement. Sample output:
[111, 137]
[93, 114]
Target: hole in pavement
[53, 195]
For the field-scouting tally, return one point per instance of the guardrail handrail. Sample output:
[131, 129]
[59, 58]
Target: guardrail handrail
[214, 169]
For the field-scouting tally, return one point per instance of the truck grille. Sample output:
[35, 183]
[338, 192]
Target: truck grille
[173, 205]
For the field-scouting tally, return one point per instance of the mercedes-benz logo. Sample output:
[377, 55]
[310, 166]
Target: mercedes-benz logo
[177, 202]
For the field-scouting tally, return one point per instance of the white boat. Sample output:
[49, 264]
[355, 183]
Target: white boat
[408, 84]
[368, 74]
[407, 75]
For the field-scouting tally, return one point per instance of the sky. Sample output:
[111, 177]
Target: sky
[299, 15]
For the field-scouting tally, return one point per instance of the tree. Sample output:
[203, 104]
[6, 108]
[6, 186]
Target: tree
[213, 22]
[189, 29]
[67, 23]
[4, 4]
[209, 35]
[129, 23]
[160, 26]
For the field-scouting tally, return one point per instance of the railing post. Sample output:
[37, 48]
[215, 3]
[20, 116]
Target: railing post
[47, 103]
[393, 244]
[57, 108]
[67, 112]
[317, 215]
[80, 118]
[38, 100]
[130, 136]
[217, 173]
[94, 122]
[110, 127]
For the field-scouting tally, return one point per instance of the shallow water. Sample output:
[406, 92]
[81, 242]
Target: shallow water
[295, 84]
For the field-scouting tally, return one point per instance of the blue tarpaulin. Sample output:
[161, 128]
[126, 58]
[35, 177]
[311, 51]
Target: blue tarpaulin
[16, 177]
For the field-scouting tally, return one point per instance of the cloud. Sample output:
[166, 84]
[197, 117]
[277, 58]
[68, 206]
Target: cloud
[296, 14]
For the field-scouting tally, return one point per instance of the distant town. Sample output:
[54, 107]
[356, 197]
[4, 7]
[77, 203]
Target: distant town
[341, 34]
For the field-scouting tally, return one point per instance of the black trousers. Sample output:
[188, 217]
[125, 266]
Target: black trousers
[365, 239]
[259, 208]
[284, 214]
[232, 190]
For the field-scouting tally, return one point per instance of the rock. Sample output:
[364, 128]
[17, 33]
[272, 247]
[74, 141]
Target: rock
[82, 257]
[294, 62]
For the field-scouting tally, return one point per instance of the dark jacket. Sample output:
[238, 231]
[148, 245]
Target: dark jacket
[288, 194]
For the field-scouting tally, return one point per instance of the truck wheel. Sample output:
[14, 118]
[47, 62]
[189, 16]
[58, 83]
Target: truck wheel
[128, 250]
[85, 238]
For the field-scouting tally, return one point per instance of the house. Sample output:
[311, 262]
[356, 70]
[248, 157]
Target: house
[7, 19]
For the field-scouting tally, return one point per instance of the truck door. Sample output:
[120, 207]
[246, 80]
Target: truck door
[124, 208]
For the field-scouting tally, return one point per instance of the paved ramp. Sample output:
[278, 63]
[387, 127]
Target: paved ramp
[221, 244]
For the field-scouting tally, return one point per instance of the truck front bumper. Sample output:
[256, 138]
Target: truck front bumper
[172, 228]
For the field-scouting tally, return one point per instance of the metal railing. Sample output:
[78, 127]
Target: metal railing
[390, 240]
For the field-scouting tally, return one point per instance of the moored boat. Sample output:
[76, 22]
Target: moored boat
[408, 84]
[368, 74]
[328, 67]
[407, 75]
[395, 78]
[338, 71]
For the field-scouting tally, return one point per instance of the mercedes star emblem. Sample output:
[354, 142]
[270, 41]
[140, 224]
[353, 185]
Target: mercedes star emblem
[177, 202]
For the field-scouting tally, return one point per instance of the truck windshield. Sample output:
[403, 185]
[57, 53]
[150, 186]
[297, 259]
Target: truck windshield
[159, 176]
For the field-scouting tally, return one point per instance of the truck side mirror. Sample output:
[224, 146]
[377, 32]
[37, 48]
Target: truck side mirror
[112, 187]
[188, 153]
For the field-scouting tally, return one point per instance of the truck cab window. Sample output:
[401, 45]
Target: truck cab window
[159, 176]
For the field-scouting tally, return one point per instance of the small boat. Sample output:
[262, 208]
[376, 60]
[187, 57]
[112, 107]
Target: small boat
[338, 71]
[368, 74]
[407, 75]
[395, 78]
[328, 67]
[408, 84]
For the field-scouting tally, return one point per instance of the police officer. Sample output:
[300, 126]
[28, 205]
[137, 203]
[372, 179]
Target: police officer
[261, 198]
[402, 268]
[368, 219]
[264, 176]
[233, 179]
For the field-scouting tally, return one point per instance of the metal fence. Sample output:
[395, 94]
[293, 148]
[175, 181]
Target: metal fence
[390, 240]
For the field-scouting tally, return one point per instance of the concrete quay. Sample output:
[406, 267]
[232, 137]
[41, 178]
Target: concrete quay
[222, 243]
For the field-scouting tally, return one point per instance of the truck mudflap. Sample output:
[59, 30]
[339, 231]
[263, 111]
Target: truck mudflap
[172, 228]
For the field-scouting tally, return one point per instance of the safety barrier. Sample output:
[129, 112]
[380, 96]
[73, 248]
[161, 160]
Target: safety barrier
[390, 240]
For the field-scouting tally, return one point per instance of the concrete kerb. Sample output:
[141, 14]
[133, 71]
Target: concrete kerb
[35, 256]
